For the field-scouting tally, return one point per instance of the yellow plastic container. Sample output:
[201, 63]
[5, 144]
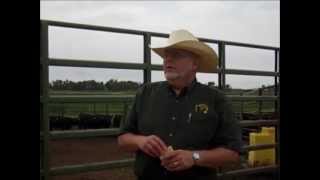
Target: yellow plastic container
[262, 157]
[269, 130]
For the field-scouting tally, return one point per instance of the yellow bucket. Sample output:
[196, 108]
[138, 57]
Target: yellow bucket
[262, 157]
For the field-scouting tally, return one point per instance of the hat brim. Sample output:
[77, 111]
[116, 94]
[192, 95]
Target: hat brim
[208, 59]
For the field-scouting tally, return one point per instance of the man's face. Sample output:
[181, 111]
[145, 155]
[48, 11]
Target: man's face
[178, 64]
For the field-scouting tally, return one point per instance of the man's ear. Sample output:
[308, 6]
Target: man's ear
[195, 65]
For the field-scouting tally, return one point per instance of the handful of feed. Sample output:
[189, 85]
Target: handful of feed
[170, 148]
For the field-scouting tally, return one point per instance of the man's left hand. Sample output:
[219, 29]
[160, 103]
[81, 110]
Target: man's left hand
[177, 160]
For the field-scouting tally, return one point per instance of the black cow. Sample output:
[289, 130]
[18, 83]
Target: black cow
[94, 121]
[62, 123]
[54, 122]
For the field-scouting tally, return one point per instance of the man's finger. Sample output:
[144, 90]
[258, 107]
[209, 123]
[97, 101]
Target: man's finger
[173, 160]
[161, 144]
[169, 157]
[154, 150]
[173, 165]
[170, 154]
[155, 147]
[149, 150]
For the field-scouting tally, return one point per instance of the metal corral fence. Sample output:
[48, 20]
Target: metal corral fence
[147, 67]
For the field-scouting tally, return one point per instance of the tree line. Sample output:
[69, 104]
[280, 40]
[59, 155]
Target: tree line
[111, 85]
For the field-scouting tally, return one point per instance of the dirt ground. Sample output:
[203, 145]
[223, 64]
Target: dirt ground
[89, 150]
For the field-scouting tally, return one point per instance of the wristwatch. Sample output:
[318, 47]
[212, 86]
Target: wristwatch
[195, 157]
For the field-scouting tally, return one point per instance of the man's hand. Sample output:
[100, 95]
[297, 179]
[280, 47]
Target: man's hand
[152, 145]
[177, 160]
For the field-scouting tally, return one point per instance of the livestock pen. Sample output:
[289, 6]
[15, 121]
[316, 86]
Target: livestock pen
[110, 162]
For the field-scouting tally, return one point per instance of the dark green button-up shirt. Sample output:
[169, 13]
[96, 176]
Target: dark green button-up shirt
[199, 118]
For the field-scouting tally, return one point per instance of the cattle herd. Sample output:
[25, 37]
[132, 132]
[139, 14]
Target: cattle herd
[85, 121]
[99, 121]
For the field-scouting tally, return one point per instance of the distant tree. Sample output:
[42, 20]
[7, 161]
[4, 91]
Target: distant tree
[111, 85]
[211, 83]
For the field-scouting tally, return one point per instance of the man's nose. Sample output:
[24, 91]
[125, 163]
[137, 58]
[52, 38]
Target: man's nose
[168, 59]
[167, 62]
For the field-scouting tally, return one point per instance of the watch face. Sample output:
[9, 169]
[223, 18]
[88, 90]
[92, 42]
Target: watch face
[196, 156]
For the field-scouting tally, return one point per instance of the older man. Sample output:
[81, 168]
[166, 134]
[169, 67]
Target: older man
[192, 118]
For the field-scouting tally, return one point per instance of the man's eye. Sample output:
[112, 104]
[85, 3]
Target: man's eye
[178, 55]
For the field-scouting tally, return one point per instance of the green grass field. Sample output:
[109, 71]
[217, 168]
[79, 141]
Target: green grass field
[73, 109]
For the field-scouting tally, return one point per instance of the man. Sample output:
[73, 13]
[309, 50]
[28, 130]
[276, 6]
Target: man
[194, 119]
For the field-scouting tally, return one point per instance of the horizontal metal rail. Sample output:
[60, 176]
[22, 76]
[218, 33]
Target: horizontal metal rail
[90, 98]
[99, 166]
[251, 72]
[249, 171]
[56, 135]
[84, 133]
[129, 98]
[137, 32]
[156, 67]
[252, 98]
[141, 66]
[74, 169]
[95, 64]
[91, 27]
[115, 131]
[259, 147]
[250, 45]
[248, 123]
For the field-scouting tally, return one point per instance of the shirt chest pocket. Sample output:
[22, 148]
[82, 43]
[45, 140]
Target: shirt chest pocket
[202, 127]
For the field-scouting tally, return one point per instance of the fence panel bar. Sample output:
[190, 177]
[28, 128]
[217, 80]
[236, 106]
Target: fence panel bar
[44, 53]
[75, 169]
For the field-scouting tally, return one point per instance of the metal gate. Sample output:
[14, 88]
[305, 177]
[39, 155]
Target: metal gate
[45, 135]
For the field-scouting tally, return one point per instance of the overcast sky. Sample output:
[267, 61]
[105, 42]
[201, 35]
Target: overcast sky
[256, 22]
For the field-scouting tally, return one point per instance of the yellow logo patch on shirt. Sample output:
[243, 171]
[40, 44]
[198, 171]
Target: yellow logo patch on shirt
[202, 108]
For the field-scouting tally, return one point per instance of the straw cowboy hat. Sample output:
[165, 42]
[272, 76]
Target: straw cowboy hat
[182, 39]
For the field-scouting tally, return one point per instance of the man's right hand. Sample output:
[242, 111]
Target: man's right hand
[152, 145]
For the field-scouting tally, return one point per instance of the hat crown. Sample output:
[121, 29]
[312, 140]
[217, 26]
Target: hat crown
[181, 35]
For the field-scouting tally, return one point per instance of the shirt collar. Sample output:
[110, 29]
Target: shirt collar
[185, 91]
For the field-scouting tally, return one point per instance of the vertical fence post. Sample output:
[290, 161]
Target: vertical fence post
[241, 104]
[276, 80]
[44, 55]
[221, 75]
[125, 111]
[277, 107]
[260, 102]
[146, 58]
[221, 62]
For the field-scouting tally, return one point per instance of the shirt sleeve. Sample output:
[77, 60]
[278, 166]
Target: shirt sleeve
[130, 123]
[228, 133]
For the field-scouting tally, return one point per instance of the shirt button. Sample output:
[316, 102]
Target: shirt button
[170, 134]
[173, 118]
